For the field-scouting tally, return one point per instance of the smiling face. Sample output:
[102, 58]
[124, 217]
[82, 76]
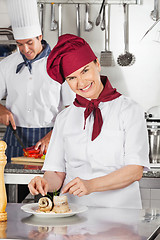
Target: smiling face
[86, 81]
[30, 47]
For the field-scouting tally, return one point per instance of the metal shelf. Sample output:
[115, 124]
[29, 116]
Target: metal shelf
[7, 42]
[9, 34]
[138, 2]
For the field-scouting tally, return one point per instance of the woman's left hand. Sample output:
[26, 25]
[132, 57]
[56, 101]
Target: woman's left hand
[78, 187]
[43, 143]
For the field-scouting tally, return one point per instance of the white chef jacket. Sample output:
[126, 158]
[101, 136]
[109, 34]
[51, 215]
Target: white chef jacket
[34, 99]
[123, 141]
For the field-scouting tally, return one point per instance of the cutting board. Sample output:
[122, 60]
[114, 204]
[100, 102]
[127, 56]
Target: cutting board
[27, 159]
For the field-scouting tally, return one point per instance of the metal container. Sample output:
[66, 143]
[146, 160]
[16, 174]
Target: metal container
[153, 126]
[154, 142]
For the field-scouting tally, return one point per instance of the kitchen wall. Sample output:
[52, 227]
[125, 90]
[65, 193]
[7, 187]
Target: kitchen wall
[140, 81]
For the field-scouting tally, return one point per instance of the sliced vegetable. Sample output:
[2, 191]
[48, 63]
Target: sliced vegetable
[43, 157]
[32, 152]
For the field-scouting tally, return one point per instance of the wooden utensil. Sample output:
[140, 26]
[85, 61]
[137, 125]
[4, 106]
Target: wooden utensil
[3, 196]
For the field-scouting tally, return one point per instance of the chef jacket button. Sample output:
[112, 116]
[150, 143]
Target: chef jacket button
[29, 93]
[29, 110]
[30, 78]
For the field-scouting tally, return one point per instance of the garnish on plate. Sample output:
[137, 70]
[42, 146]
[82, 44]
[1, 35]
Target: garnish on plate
[56, 204]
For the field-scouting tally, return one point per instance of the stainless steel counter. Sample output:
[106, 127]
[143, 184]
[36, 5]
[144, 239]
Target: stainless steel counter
[95, 224]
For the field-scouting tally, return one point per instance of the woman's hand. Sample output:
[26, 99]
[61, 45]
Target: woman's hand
[118, 179]
[43, 143]
[38, 185]
[78, 187]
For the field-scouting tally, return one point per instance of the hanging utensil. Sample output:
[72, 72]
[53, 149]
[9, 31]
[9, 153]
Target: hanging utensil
[41, 10]
[54, 23]
[103, 19]
[150, 28]
[106, 58]
[60, 19]
[78, 19]
[127, 58]
[88, 24]
[155, 13]
[98, 19]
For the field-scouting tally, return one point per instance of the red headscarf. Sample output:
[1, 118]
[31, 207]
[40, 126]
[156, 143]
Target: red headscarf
[69, 54]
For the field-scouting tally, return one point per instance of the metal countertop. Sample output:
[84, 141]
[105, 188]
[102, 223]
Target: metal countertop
[95, 224]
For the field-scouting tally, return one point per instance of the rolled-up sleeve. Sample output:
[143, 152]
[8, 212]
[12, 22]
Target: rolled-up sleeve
[136, 142]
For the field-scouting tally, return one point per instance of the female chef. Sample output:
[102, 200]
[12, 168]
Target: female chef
[99, 147]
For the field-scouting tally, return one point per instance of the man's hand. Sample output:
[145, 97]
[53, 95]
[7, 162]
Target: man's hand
[43, 143]
[6, 116]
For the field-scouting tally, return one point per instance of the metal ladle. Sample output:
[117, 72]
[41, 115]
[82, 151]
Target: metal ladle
[78, 19]
[60, 19]
[103, 19]
[41, 12]
[88, 23]
[127, 58]
[154, 13]
[54, 23]
[98, 19]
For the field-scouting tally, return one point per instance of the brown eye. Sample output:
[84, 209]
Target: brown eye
[71, 78]
[85, 70]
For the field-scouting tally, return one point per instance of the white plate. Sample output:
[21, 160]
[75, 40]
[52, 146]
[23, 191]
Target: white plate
[54, 222]
[32, 207]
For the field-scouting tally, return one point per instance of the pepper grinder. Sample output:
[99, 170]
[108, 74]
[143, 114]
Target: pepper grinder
[3, 195]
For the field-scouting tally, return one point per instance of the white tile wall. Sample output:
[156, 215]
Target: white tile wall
[150, 197]
[146, 204]
[146, 194]
[155, 194]
[4, 15]
[3, 7]
[155, 203]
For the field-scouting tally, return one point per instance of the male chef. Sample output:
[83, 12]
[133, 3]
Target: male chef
[33, 99]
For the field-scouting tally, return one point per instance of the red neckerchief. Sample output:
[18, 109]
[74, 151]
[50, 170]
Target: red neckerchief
[106, 95]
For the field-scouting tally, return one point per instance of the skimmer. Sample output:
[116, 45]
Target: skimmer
[126, 59]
